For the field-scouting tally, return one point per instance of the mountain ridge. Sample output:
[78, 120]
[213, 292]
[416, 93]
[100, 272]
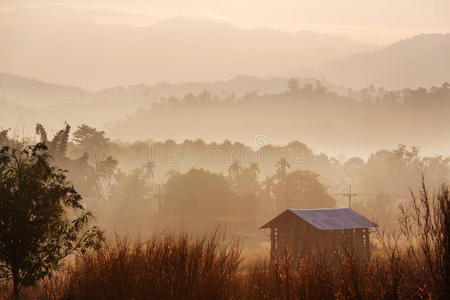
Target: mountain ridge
[81, 52]
[421, 60]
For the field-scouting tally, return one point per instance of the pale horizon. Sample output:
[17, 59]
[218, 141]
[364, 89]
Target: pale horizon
[379, 23]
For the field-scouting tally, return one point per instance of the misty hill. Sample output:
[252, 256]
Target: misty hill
[53, 104]
[419, 61]
[18, 118]
[33, 92]
[36, 93]
[238, 85]
[77, 51]
[311, 113]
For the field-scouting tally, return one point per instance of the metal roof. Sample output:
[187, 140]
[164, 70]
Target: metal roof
[330, 218]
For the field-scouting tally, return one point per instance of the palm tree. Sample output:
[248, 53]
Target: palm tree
[149, 169]
[235, 169]
[282, 167]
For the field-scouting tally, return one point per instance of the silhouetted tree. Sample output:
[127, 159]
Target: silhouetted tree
[303, 190]
[234, 170]
[293, 85]
[129, 201]
[91, 140]
[36, 230]
[40, 130]
[5, 140]
[198, 192]
[245, 189]
[296, 189]
[149, 169]
[57, 147]
[105, 168]
[4, 137]
[282, 167]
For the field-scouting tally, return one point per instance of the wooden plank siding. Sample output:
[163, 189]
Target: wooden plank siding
[300, 238]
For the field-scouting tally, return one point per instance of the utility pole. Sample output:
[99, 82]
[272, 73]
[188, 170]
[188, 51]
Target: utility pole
[349, 195]
[159, 200]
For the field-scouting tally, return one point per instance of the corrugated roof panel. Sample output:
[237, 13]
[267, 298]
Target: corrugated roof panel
[333, 218]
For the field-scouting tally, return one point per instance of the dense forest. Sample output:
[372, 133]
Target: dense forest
[44, 222]
[318, 116]
[137, 182]
[333, 119]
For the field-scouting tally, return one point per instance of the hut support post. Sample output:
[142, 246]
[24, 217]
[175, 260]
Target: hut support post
[366, 243]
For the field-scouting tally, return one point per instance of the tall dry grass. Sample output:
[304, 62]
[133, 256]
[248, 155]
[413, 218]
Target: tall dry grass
[165, 267]
[412, 264]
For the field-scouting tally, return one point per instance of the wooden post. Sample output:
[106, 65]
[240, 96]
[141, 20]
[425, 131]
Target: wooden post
[367, 243]
[359, 243]
[272, 243]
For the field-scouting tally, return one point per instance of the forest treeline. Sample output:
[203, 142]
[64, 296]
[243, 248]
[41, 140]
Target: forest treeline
[324, 116]
[130, 184]
[303, 89]
[343, 120]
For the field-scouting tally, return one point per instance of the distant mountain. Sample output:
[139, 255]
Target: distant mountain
[23, 98]
[35, 93]
[18, 118]
[237, 85]
[422, 60]
[67, 46]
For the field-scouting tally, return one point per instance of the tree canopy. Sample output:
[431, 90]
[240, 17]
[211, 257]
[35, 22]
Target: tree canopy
[42, 219]
[198, 192]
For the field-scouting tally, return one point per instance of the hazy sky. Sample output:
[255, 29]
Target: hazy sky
[376, 21]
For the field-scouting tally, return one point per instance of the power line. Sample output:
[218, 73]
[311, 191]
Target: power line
[389, 195]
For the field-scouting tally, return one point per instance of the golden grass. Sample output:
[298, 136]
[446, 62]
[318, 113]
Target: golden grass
[414, 264]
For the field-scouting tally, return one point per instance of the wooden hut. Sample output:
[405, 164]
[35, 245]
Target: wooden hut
[302, 230]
